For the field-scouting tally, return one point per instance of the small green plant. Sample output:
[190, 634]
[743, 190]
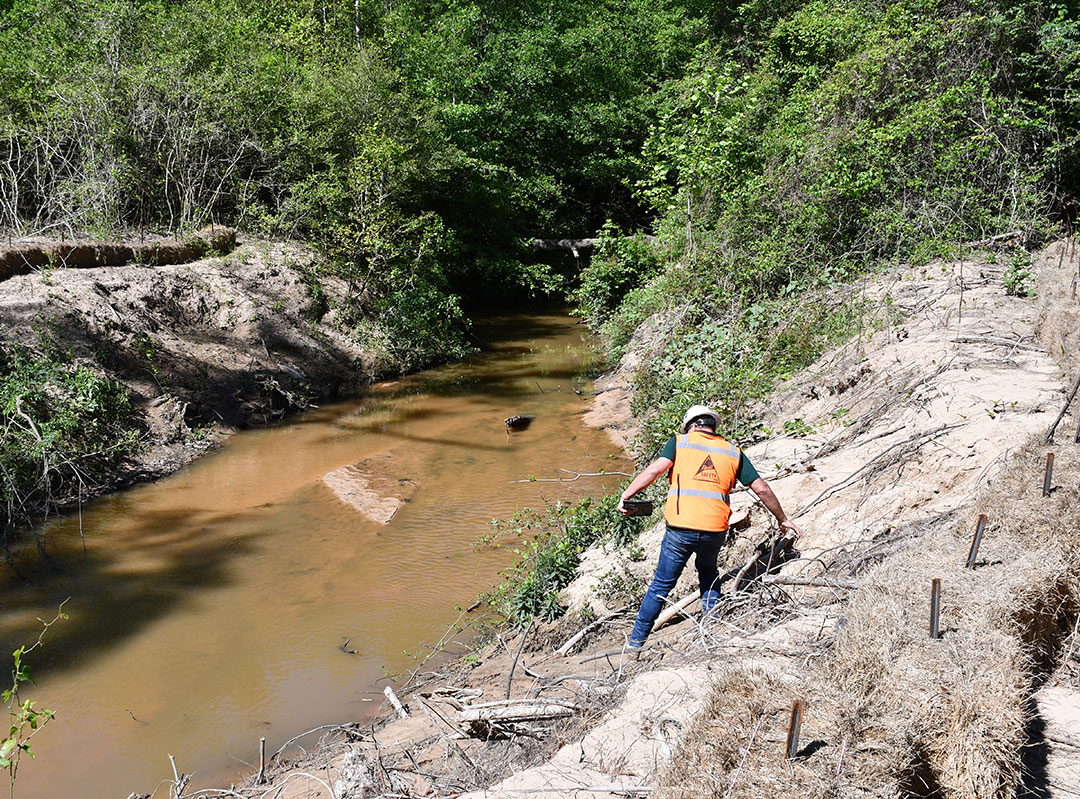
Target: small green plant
[1018, 279]
[25, 718]
[797, 428]
[619, 586]
[147, 350]
[999, 406]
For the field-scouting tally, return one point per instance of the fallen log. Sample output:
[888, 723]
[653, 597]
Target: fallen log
[575, 246]
[578, 247]
[516, 710]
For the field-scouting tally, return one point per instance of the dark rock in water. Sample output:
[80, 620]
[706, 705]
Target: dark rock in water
[517, 422]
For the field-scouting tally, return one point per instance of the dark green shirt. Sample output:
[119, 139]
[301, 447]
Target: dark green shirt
[746, 474]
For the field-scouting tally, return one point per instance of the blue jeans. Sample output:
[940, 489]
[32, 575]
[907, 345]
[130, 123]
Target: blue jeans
[675, 551]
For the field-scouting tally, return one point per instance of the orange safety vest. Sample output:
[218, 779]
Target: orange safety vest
[702, 478]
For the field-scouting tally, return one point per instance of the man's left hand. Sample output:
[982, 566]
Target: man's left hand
[790, 526]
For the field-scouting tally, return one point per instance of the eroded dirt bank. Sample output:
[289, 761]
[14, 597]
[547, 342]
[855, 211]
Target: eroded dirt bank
[910, 433]
[205, 347]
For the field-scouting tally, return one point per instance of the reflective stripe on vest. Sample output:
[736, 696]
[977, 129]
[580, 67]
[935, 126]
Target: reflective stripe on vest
[702, 478]
[697, 492]
[731, 450]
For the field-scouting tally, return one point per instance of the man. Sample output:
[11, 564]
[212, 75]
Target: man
[702, 468]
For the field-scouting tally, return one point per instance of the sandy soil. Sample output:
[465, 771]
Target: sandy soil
[906, 423]
[205, 348]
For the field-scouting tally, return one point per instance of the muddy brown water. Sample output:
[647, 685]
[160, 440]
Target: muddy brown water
[209, 609]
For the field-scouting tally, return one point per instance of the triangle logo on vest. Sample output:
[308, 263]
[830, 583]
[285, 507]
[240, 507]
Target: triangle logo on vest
[707, 470]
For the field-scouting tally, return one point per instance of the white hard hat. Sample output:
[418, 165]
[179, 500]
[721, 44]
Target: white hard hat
[695, 412]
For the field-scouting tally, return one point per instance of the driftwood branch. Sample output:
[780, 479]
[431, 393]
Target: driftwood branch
[392, 698]
[570, 789]
[622, 650]
[577, 476]
[915, 439]
[517, 657]
[573, 639]
[996, 341]
[672, 611]
[766, 559]
[557, 681]
[349, 728]
[816, 582]
[431, 713]
[1011, 235]
[1068, 401]
[517, 710]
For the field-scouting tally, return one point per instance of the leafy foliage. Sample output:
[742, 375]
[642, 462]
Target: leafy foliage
[619, 264]
[769, 146]
[810, 141]
[61, 424]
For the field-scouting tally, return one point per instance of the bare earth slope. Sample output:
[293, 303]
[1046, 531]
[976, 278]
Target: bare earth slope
[915, 430]
[205, 347]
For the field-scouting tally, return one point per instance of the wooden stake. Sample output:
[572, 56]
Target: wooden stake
[935, 608]
[976, 540]
[1049, 473]
[793, 729]
[262, 761]
[392, 698]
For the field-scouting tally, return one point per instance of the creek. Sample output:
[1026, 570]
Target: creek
[209, 609]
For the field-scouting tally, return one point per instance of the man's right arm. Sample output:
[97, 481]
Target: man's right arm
[647, 477]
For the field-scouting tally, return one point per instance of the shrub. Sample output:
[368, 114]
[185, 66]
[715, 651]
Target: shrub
[619, 264]
[1018, 279]
[548, 562]
[63, 426]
